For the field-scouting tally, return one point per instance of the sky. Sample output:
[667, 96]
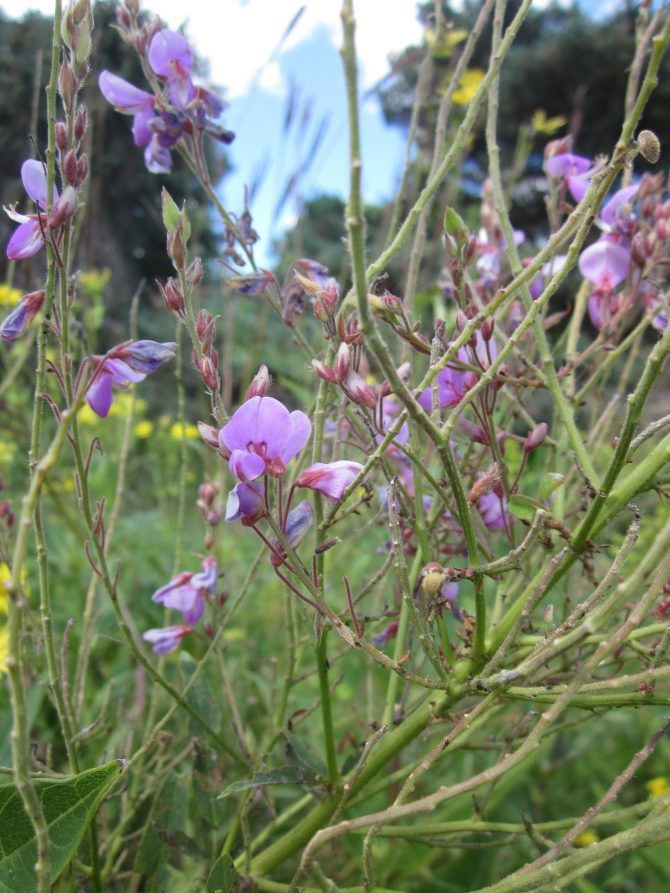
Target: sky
[262, 70]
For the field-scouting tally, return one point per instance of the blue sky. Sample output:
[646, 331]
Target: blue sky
[251, 56]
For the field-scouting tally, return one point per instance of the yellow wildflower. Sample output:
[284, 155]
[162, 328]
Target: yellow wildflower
[178, 431]
[468, 86]
[93, 282]
[586, 838]
[444, 47]
[144, 429]
[5, 577]
[9, 296]
[7, 451]
[547, 126]
[658, 787]
[4, 649]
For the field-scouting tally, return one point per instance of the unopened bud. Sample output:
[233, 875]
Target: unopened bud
[649, 146]
[536, 437]
[433, 577]
[123, 17]
[64, 207]
[484, 485]
[82, 170]
[260, 383]
[70, 168]
[67, 85]
[61, 136]
[342, 362]
[205, 327]
[209, 434]
[404, 371]
[487, 328]
[638, 251]
[194, 272]
[393, 304]
[174, 299]
[208, 371]
[361, 391]
[324, 371]
[454, 226]
[176, 250]
[80, 123]
[208, 492]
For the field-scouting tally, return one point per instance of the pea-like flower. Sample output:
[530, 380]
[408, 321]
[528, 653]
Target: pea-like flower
[188, 592]
[28, 237]
[16, 323]
[122, 366]
[167, 639]
[330, 478]
[262, 437]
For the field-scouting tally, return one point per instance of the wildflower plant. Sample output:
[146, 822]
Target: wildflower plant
[391, 608]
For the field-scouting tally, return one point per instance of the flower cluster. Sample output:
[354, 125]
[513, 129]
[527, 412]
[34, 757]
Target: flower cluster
[176, 110]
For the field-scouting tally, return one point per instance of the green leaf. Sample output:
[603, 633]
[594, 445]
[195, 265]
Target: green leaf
[68, 808]
[170, 212]
[550, 482]
[223, 876]
[524, 507]
[285, 775]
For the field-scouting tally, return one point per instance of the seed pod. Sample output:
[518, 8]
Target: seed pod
[649, 146]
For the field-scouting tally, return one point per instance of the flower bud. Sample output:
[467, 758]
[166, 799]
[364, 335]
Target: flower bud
[536, 437]
[174, 299]
[69, 168]
[404, 371]
[176, 250]
[360, 390]
[67, 85]
[82, 170]
[260, 383]
[393, 303]
[123, 17]
[433, 577]
[61, 136]
[208, 371]
[324, 371]
[342, 362]
[80, 123]
[638, 251]
[205, 327]
[194, 272]
[487, 328]
[64, 207]
[454, 226]
[209, 434]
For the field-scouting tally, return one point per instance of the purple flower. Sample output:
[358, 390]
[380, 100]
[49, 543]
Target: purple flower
[493, 509]
[27, 239]
[124, 96]
[187, 592]
[331, 478]
[452, 384]
[124, 365]
[606, 264]
[555, 265]
[449, 594]
[574, 170]
[262, 437]
[170, 54]
[167, 639]
[297, 524]
[245, 503]
[16, 323]
[613, 215]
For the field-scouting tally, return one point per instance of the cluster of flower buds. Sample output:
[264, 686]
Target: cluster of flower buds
[206, 359]
[211, 508]
[177, 110]
[76, 30]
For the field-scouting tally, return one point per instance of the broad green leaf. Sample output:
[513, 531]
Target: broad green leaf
[285, 775]
[223, 878]
[68, 808]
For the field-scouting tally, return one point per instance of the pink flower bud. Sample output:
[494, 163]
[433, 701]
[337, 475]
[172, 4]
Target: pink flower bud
[324, 371]
[206, 330]
[194, 272]
[393, 303]
[536, 437]
[260, 383]
[64, 207]
[209, 434]
[82, 170]
[208, 371]
[174, 299]
[61, 136]
[80, 123]
[360, 391]
[342, 362]
[487, 329]
[69, 168]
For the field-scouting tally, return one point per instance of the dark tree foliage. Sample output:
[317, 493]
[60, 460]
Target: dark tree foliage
[562, 62]
[122, 227]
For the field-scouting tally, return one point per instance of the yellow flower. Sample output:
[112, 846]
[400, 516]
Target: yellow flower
[7, 451]
[658, 787]
[144, 429]
[586, 838]
[547, 126]
[93, 282]
[444, 47]
[5, 576]
[9, 296]
[4, 649]
[468, 86]
[184, 432]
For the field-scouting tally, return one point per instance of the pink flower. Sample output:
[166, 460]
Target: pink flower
[167, 639]
[122, 366]
[187, 592]
[262, 437]
[331, 478]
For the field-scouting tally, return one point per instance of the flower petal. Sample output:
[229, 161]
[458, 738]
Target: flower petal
[167, 50]
[26, 240]
[246, 466]
[125, 97]
[35, 182]
[301, 429]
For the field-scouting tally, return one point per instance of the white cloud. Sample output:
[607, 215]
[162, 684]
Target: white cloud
[240, 38]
